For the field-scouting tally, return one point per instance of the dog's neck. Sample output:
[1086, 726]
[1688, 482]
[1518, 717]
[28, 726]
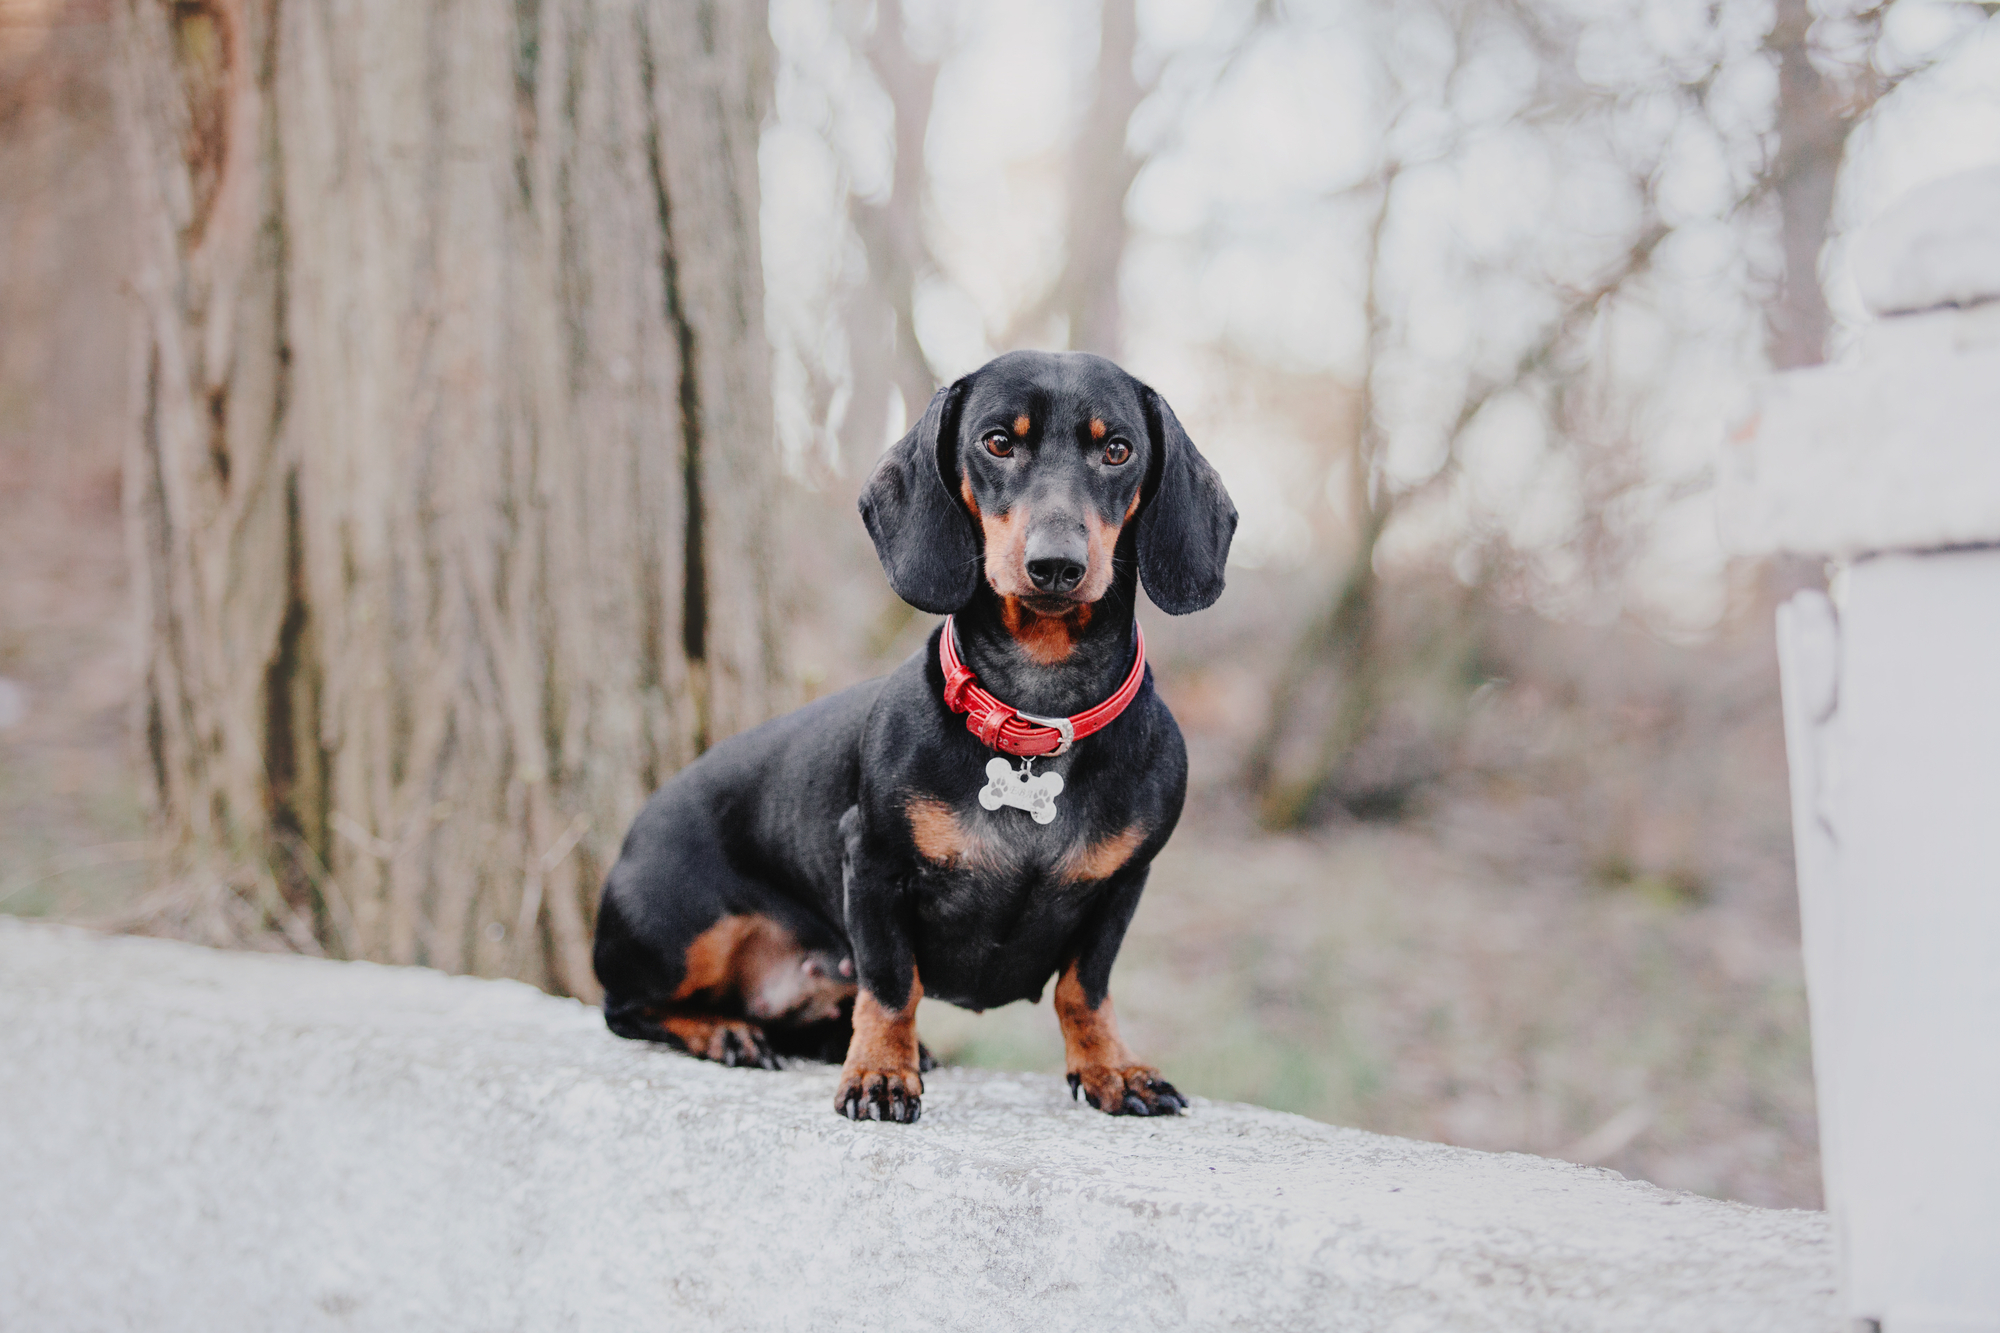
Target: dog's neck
[1037, 665]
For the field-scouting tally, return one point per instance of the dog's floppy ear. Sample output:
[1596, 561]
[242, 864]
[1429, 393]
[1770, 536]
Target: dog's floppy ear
[923, 536]
[1188, 519]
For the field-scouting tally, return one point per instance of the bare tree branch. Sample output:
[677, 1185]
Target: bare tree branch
[881, 315]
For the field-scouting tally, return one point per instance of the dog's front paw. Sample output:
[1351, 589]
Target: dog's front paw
[1133, 1090]
[880, 1094]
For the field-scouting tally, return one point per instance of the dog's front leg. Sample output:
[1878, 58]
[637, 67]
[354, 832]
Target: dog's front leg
[881, 1078]
[1101, 1067]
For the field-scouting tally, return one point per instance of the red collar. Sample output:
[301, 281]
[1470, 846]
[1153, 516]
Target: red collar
[999, 727]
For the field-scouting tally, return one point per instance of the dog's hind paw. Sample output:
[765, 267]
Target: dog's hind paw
[894, 1095]
[1133, 1090]
[727, 1041]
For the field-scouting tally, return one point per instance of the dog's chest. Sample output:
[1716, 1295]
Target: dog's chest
[1021, 844]
[997, 894]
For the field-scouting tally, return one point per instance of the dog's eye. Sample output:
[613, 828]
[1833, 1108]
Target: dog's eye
[999, 444]
[1117, 452]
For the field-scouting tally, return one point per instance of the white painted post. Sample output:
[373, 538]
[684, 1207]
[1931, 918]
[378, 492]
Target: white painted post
[1889, 464]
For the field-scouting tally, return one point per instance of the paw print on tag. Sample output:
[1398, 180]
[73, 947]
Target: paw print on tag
[1008, 785]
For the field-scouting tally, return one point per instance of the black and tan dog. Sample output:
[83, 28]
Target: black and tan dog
[802, 886]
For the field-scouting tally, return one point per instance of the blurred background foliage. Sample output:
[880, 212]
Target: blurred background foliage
[1488, 838]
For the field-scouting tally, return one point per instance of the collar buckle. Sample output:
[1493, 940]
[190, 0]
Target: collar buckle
[1061, 725]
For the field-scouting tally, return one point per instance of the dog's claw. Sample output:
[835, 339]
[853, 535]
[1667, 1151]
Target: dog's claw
[730, 1042]
[894, 1097]
[744, 1047]
[1135, 1090]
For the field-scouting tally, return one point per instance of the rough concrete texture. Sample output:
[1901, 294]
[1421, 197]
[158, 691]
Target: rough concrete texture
[198, 1140]
[1938, 245]
[1897, 447]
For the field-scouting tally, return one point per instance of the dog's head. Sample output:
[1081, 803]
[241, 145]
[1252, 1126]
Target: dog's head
[1029, 473]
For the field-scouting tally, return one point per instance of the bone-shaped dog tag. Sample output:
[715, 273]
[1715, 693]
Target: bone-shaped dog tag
[1020, 788]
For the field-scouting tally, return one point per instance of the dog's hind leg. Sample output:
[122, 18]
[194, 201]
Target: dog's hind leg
[701, 953]
[728, 1041]
[733, 990]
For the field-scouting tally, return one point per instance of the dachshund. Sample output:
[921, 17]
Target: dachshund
[800, 887]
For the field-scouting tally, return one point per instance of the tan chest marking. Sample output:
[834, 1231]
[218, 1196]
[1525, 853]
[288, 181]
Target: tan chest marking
[1100, 859]
[943, 839]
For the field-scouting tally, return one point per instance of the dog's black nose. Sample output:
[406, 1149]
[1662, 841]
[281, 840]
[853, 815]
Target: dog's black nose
[1055, 574]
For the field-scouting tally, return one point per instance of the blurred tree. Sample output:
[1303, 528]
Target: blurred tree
[1835, 63]
[1342, 674]
[61, 238]
[1833, 66]
[1102, 167]
[1341, 663]
[881, 312]
[1814, 121]
[882, 345]
[448, 483]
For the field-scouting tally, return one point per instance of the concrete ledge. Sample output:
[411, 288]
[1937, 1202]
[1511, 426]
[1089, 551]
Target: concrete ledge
[197, 1140]
[1895, 448]
[1938, 245]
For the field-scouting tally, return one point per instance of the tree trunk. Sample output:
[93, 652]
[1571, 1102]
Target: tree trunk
[448, 488]
[1293, 763]
[1813, 126]
[881, 315]
[1101, 171]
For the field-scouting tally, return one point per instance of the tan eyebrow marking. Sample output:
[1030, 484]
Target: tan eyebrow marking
[1096, 429]
[1021, 424]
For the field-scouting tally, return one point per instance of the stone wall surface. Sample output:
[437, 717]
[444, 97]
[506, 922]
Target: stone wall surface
[197, 1140]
